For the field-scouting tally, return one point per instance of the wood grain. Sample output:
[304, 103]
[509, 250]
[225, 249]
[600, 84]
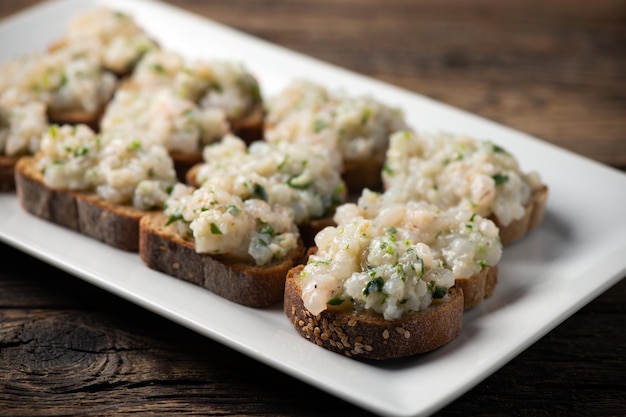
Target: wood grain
[552, 68]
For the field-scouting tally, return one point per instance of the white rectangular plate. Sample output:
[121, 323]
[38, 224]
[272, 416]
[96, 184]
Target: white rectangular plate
[576, 254]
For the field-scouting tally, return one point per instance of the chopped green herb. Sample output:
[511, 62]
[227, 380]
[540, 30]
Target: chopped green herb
[437, 291]
[297, 183]
[267, 229]
[62, 81]
[440, 292]
[255, 90]
[335, 301]
[498, 149]
[366, 115]
[283, 163]
[233, 209]
[500, 178]
[317, 262]
[134, 145]
[80, 151]
[258, 191]
[216, 86]
[473, 217]
[319, 125]
[169, 189]
[339, 193]
[262, 242]
[387, 169]
[158, 68]
[375, 285]
[174, 218]
[215, 230]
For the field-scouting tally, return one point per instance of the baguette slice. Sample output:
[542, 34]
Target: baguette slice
[7, 169]
[250, 127]
[369, 336]
[363, 174]
[533, 216]
[478, 287]
[161, 248]
[86, 213]
[75, 117]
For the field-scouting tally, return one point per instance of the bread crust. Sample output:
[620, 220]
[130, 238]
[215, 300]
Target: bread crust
[161, 248]
[7, 169]
[86, 213]
[250, 127]
[533, 216]
[363, 174]
[478, 287]
[75, 117]
[370, 336]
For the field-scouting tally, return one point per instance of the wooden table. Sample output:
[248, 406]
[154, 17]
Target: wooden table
[554, 68]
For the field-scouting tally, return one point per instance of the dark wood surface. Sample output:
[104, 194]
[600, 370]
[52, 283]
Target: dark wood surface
[555, 69]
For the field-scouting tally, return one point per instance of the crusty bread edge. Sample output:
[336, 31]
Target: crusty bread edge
[7, 172]
[478, 287]
[369, 336]
[86, 213]
[533, 216]
[161, 248]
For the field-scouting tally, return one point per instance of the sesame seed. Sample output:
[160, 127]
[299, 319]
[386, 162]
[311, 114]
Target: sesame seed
[407, 334]
[385, 334]
[368, 348]
[400, 330]
[176, 265]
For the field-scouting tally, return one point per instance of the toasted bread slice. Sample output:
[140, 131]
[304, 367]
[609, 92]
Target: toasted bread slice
[478, 287]
[163, 249]
[363, 174]
[370, 336]
[76, 117]
[86, 213]
[7, 169]
[533, 215]
[250, 127]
